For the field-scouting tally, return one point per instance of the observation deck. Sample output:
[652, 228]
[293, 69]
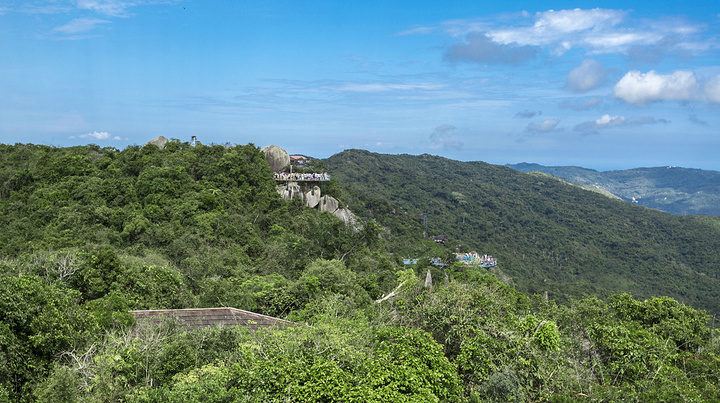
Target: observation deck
[301, 177]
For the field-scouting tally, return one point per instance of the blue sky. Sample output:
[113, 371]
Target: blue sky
[603, 85]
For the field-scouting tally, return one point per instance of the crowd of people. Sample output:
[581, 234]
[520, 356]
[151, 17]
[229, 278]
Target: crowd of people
[299, 176]
[473, 259]
[469, 259]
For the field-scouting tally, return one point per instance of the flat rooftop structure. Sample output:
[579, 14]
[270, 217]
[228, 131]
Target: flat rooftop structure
[196, 318]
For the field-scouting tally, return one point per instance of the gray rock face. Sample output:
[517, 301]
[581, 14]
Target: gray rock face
[346, 215]
[278, 158]
[291, 191]
[160, 142]
[328, 203]
[312, 197]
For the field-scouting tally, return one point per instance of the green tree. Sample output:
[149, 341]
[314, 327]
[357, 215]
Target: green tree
[38, 321]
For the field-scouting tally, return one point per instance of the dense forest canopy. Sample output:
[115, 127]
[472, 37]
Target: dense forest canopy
[548, 235]
[90, 233]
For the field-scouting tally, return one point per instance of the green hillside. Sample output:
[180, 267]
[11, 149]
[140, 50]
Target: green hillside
[89, 234]
[670, 189]
[548, 235]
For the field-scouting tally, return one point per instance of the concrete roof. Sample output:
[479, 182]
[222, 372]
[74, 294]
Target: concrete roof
[197, 318]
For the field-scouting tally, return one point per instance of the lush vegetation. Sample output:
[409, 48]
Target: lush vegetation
[91, 233]
[547, 235]
[670, 189]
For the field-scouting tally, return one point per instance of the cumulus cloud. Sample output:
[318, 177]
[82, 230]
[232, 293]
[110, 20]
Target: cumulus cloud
[597, 31]
[589, 75]
[644, 88]
[544, 127]
[575, 20]
[607, 121]
[444, 137]
[582, 105]
[479, 48]
[559, 26]
[527, 114]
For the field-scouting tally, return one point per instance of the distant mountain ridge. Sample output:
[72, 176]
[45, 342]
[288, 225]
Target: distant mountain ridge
[673, 190]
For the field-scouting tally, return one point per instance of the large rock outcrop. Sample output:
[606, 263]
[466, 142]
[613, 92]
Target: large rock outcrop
[332, 206]
[290, 191]
[347, 216]
[312, 197]
[328, 203]
[160, 142]
[278, 158]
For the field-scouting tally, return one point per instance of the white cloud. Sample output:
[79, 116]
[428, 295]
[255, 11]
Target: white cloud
[108, 7]
[577, 19]
[597, 31]
[98, 136]
[589, 75]
[606, 121]
[618, 42]
[558, 26]
[116, 8]
[643, 88]
[562, 48]
[544, 127]
[563, 27]
[80, 25]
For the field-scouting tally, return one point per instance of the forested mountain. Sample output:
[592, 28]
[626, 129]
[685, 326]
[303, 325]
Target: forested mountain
[673, 190]
[106, 231]
[89, 234]
[548, 235]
